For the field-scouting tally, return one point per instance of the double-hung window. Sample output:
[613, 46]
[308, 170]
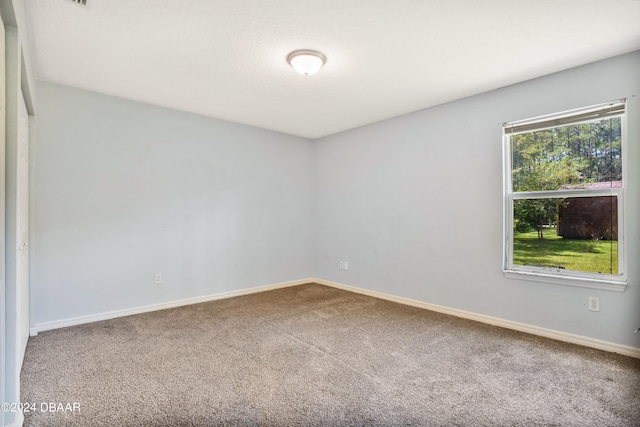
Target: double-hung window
[564, 197]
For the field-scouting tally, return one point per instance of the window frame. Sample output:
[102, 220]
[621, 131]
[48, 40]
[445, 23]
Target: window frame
[612, 282]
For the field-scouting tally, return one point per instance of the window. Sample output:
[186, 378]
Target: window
[564, 196]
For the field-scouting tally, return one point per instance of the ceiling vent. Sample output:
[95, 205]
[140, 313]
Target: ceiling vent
[80, 2]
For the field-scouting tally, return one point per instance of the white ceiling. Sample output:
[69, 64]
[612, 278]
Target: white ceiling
[227, 58]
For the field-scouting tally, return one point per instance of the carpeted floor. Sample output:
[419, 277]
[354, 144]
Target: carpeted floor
[316, 356]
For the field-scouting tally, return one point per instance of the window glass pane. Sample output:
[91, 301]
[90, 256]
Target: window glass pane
[586, 155]
[577, 233]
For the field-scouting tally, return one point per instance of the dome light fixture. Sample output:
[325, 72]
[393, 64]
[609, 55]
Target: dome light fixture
[306, 62]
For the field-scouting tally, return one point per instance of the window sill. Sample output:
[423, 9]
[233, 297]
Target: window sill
[606, 285]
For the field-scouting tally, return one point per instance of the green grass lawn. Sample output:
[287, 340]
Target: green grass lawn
[571, 254]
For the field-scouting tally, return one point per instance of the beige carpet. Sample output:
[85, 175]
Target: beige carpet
[317, 356]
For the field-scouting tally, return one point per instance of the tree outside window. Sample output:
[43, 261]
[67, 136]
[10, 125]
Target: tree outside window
[564, 188]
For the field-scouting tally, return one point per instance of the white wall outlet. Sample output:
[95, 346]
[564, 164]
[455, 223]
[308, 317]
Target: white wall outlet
[594, 304]
[158, 278]
[346, 265]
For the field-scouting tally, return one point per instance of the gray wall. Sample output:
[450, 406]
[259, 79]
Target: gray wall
[122, 190]
[415, 205]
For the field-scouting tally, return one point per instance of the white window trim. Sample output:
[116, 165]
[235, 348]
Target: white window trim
[609, 282]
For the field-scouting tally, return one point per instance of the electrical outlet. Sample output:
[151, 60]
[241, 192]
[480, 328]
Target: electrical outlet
[158, 278]
[346, 265]
[594, 304]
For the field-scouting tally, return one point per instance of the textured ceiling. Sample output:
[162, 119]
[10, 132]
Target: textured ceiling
[226, 58]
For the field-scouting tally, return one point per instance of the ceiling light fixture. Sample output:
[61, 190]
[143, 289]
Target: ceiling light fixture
[306, 62]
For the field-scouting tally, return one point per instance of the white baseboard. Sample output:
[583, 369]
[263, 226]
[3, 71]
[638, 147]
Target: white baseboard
[495, 321]
[46, 326]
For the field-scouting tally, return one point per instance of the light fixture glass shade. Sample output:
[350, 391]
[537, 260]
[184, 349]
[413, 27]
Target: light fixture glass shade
[306, 62]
